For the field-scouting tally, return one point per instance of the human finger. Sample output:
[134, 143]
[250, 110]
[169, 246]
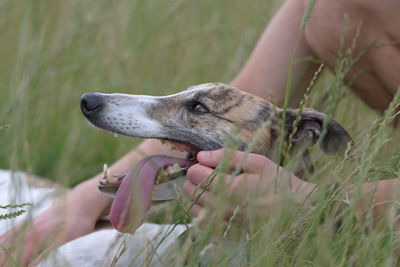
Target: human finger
[196, 194]
[251, 163]
[200, 175]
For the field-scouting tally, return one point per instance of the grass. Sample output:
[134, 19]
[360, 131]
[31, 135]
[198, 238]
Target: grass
[54, 51]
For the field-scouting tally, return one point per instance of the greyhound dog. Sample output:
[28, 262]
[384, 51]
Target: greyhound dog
[202, 117]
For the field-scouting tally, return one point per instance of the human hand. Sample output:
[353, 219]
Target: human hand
[257, 177]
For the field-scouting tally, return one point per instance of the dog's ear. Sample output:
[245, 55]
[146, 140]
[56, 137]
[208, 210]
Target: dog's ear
[309, 130]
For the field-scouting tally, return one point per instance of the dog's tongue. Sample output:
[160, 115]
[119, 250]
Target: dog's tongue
[133, 198]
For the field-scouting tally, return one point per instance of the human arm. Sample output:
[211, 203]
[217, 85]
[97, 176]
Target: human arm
[266, 72]
[73, 215]
[377, 197]
[258, 172]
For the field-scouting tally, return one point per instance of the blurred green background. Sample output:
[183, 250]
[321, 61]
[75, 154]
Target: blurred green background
[53, 51]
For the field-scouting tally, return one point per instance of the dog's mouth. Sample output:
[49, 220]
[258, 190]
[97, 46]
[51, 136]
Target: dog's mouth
[154, 178]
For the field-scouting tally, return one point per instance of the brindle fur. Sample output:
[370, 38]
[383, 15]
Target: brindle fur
[231, 114]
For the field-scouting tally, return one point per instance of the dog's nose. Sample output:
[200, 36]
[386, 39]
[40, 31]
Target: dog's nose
[91, 103]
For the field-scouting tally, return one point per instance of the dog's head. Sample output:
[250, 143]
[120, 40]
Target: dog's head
[205, 117]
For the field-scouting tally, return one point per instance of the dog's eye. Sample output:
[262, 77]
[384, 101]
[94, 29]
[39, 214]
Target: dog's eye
[199, 108]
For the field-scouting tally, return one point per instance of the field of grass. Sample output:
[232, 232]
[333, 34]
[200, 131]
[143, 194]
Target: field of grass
[54, 51]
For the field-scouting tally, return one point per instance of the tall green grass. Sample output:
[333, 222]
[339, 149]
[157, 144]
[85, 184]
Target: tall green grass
[54, 51]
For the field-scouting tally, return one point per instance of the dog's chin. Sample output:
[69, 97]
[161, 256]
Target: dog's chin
[133, 192]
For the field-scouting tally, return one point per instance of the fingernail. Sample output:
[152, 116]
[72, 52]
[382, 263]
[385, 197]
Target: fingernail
[204, 155]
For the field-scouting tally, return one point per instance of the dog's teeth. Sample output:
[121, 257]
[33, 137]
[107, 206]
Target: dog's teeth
[171, 145]
[103, 177]
[111, 178]
[109, 175]
[173, 169]
[105, 167]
